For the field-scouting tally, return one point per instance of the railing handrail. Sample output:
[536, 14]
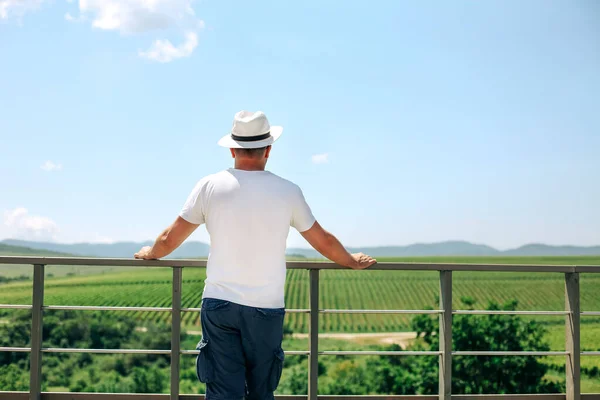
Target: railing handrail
[310, 265]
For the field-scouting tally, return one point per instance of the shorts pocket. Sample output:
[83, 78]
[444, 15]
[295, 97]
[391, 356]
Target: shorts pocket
[269, 313]
[214, 304]
[276, 369]
[204, 370]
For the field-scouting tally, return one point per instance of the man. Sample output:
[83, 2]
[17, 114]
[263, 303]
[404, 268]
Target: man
[248, 213]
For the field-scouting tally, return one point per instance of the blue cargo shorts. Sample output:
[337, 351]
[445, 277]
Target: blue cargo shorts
[240, 352]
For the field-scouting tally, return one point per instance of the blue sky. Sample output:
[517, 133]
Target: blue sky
[403, 121]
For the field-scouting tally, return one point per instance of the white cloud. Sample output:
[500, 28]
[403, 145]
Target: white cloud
[139, 16]
[129, 16]
[51, 166]
[163, 50]
[22, 225]
[69, 17]
[320, 158]
[17, 8]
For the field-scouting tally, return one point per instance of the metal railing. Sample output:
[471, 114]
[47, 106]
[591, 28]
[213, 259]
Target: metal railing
[572, 315]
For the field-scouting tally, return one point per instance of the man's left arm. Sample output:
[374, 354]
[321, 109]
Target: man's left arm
[168, 241]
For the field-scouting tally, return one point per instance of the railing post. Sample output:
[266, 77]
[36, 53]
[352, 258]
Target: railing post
[176, 331]
[445, 336]
[313, 358]
[35, 357]
[572, 342]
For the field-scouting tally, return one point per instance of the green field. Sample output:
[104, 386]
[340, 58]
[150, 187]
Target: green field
[338, 290]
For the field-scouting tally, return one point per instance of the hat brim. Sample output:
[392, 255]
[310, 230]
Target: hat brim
[227, 140]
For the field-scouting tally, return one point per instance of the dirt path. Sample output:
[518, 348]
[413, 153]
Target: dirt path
[400, 338]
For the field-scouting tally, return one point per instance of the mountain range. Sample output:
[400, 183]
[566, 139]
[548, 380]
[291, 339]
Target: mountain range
[195, 249]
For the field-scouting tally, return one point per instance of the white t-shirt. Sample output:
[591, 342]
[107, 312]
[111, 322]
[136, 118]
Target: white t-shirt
[248, 215]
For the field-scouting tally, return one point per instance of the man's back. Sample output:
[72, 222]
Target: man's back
[248, 215]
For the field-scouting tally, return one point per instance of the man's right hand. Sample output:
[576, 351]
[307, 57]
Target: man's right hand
[362, 261]
[328, 245]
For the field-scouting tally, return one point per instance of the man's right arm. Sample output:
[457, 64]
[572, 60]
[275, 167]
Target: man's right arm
[330, 247]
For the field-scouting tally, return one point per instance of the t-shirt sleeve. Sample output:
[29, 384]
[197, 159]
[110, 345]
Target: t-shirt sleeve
[194, 210]
[302, 216]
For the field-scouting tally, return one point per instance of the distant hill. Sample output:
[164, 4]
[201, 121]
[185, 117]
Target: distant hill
[117, 250]
[9, 250]
[199, 249]
[10, 272]
[450, 248]
[545, 250]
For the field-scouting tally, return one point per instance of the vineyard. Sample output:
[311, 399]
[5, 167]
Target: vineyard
[339, 290]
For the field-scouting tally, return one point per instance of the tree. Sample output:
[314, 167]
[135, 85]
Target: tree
[392, 374]
[488, 374]
[346, 378]
[12, 377]
[294, 380]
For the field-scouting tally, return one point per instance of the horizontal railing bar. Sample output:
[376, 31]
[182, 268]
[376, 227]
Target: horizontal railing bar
[306, 311]
[509, 312]
[290, 311]
[103, 351]
[406, 266]
[102, 262]
[416, 266]
[194, 352]
[107, 308]
[379, 353]
[589, 268]
[15, 349]
[332, 311]
[297, 352]
[191, 309]
[288, 352]
[510, 353]
[536, 396]
[156, 396]
[122, 351]
[590, 353]
[16, 306]
[303, 352]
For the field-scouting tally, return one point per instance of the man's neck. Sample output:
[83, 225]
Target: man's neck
[249, 166]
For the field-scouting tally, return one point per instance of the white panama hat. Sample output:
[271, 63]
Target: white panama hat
[251, 130]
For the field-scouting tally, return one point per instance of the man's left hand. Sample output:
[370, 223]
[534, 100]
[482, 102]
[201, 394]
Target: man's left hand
[144, 253]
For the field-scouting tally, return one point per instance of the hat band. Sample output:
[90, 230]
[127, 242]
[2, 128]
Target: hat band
[251, 138]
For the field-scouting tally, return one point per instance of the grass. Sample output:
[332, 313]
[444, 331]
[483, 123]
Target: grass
[590, 341]
[588, 385]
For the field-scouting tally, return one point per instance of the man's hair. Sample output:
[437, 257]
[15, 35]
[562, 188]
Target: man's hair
[251, 153]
